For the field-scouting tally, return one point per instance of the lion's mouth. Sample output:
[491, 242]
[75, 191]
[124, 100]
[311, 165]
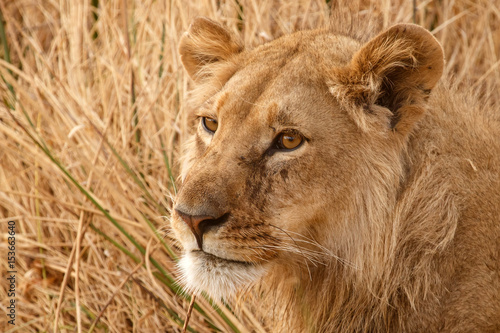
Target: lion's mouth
[216, 259]
[219, 277]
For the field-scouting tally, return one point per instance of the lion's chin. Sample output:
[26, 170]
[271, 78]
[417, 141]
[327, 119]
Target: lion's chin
[219, 278]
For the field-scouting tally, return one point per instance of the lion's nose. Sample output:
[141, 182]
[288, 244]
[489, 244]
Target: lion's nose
[199, 224]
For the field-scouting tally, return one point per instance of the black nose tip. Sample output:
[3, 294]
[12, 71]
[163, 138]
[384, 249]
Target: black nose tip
[199, 224]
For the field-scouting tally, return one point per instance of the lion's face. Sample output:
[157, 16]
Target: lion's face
[251, 178]
[271, 166]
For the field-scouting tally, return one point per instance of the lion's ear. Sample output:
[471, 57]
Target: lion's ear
[206, 42]
[396, 70]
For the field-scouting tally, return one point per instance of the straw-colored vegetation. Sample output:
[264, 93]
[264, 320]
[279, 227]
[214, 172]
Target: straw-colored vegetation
[91, 124]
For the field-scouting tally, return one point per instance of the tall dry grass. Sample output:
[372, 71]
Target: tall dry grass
[91, 123]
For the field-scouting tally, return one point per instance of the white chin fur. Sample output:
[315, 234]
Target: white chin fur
[218, 277]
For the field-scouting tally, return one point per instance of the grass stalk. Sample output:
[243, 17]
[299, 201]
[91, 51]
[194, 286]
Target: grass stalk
[6, 52]
[135, 120]
[39, 231]
[95, 16]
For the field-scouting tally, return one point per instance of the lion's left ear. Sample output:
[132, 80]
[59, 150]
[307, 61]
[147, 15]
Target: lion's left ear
[206, 42]
[396, 70]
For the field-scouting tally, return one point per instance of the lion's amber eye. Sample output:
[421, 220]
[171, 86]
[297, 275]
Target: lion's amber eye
[289, 140]
[209, 124]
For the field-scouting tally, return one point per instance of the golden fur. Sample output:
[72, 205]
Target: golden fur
[386, 218]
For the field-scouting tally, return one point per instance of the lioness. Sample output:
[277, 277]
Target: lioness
[342, 181]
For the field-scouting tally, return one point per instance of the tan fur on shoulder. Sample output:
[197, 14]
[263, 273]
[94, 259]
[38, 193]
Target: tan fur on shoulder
[386, 216]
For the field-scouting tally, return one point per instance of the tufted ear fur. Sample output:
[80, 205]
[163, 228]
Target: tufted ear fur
[206, 42]
[395, 72]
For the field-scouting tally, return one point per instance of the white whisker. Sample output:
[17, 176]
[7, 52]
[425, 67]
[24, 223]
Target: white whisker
[321, 253]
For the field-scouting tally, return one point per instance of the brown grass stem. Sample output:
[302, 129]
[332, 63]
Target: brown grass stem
[188, 315]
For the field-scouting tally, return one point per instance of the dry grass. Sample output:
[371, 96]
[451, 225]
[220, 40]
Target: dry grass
[85, 152]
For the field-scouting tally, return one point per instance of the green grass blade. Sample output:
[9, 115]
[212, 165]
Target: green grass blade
[115, 243]
[160, 238]
[3, 38]
[136, 179]
[95, 16]
[6, 52]
[162, 50]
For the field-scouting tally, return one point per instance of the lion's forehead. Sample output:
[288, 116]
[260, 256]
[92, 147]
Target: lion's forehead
[279, 81]
[303, 51]
[269, 100]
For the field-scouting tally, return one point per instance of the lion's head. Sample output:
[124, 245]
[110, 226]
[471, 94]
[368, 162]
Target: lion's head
[297, 154]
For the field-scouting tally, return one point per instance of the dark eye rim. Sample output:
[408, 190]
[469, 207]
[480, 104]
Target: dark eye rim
[204, 124]
[277, 145]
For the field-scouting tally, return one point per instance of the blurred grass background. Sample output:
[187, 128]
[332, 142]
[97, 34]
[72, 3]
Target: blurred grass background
[91, 126]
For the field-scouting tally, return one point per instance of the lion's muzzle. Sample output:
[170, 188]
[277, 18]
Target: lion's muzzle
[199, 224]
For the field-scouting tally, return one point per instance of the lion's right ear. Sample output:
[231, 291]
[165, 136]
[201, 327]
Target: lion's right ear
[392, 75]
[206, 42]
